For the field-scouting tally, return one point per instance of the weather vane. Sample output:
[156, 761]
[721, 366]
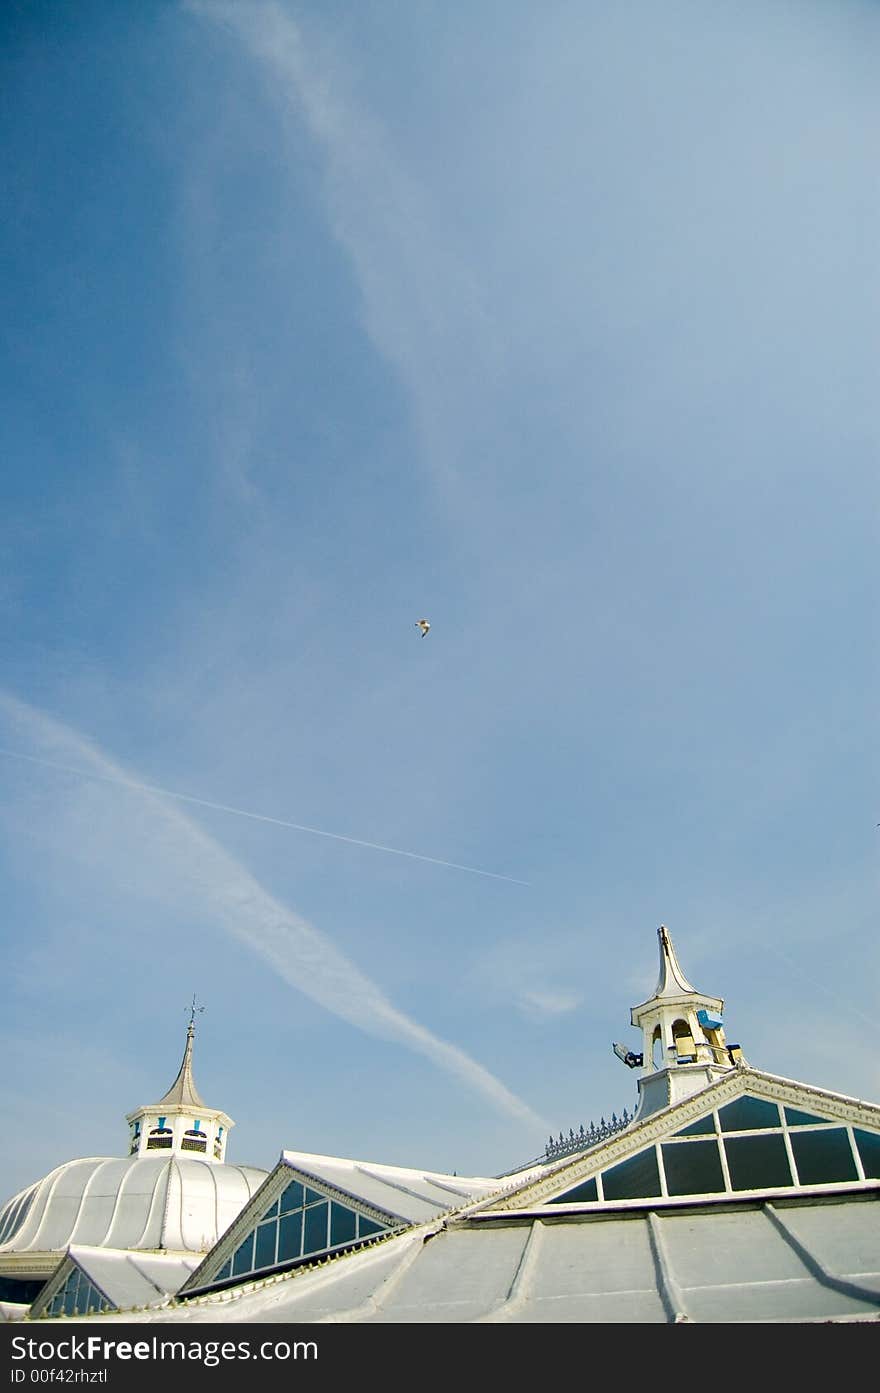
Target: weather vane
[193, 1009]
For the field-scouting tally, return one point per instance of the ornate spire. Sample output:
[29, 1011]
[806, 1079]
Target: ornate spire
[181, 1123]
[183, 1090]
[672, 981]
[683, 1044]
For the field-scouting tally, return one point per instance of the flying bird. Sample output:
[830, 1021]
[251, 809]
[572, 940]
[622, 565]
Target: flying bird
[424, 626]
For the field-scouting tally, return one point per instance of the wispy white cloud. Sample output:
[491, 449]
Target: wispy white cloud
[422, 303]
[298, 952]
[521, 971]
[540, 1003]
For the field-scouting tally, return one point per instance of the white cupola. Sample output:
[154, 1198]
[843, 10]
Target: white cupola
[180, 1124]
[683, 1043]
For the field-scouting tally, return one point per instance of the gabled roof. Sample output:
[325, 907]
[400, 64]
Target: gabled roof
[407, 1194]
[117, 1279]
[796, 1110]
[311, 1206]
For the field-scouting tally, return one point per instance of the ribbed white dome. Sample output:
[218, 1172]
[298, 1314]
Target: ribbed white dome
[179, 1204]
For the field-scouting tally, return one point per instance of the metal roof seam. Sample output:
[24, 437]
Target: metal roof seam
[53, 1179]
[517, 1293]
[82, 1199]
[117, 1203]
[153, 1206]
[373, 1304]
[669, 1291]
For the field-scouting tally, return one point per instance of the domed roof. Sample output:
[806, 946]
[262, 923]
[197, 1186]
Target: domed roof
[175, 1203]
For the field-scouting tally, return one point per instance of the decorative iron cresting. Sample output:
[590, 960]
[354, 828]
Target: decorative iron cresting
[589, 1136]
[581, 1140]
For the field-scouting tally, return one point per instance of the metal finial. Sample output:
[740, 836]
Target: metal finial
[193, 1009]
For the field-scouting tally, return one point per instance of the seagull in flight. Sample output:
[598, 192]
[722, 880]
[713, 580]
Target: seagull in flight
[424, 626]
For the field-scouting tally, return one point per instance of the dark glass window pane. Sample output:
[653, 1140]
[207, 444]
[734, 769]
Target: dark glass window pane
[343, 1224]
[869, 1150]
[367, 1226]
[93, 1299]
[312, 1197]
[289, 1236]
[243, 1257]
[581, 1194]
[225, 1271]
[292, 1197]
[315, 1230]
[795, 1118]
[748, 1113]
[634, 1179]
[693, 1168]
[271, 1210]
[757, 1162]
[823, 1156]
[264, 1253]
[699, 1128]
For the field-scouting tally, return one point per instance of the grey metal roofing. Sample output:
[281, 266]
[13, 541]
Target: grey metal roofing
[410, 1194]
[505, 1251]
[508, 1253]
[809, 1260]
[174, 1203]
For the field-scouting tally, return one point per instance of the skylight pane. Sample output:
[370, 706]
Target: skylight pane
[292, 1197]
[756, 1163]
[823, 1157]
[264, 1251]
[315, 1228]
[747, 1114]
[581, 1194]
[869, 1150]
[368, 1226]
[243, 1257]
[637, 1178]
[289, 1236]
[693, 1168]
[343, 1224]
[795, 1118]
[699, 1128]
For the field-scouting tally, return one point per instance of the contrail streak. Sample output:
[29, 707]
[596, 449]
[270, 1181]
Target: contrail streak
[256, 817]
[193, 872]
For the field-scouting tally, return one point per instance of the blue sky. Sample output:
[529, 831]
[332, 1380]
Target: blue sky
[556, 324]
